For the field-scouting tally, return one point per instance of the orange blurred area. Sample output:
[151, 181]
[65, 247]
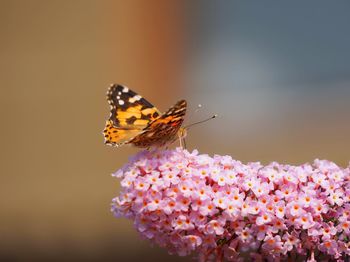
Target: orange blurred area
[57, 61]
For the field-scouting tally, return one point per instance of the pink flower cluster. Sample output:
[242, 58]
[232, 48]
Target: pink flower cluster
[223, 209]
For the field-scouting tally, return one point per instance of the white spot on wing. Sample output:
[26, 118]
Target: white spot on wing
[119, 93]
[125, 89]
[121, 102]
[137, 97]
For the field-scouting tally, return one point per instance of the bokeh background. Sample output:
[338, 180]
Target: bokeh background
[276, 72]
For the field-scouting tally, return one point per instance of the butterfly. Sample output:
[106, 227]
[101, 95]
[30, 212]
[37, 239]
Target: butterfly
[134, 120]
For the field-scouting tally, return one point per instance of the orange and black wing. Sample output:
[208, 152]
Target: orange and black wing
[162, 130]
[130, 114]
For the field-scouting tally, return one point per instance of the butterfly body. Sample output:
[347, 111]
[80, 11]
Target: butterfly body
[134, 120]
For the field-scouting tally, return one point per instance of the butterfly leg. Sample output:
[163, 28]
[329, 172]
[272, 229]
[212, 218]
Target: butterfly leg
[184, 143]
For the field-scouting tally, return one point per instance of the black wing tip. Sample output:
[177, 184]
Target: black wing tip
[115, 90]
[112, 87]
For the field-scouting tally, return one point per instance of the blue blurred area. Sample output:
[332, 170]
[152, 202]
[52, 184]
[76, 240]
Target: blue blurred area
[278, 75]
[289, 42]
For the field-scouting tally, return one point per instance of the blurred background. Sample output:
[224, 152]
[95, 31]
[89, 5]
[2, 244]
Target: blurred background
[276, 72]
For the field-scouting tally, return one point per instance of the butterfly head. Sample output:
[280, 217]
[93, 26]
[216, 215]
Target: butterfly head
[182, 133]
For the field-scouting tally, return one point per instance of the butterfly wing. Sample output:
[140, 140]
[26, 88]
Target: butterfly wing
[118, 136]
[130, 114]
[162, 130]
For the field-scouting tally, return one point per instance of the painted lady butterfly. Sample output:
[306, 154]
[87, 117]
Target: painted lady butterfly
[134, 120]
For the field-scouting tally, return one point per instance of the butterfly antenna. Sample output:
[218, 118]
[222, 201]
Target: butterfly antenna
[200, 122]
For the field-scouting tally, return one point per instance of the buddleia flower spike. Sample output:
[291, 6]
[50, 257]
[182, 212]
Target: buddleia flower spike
[219, 208]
